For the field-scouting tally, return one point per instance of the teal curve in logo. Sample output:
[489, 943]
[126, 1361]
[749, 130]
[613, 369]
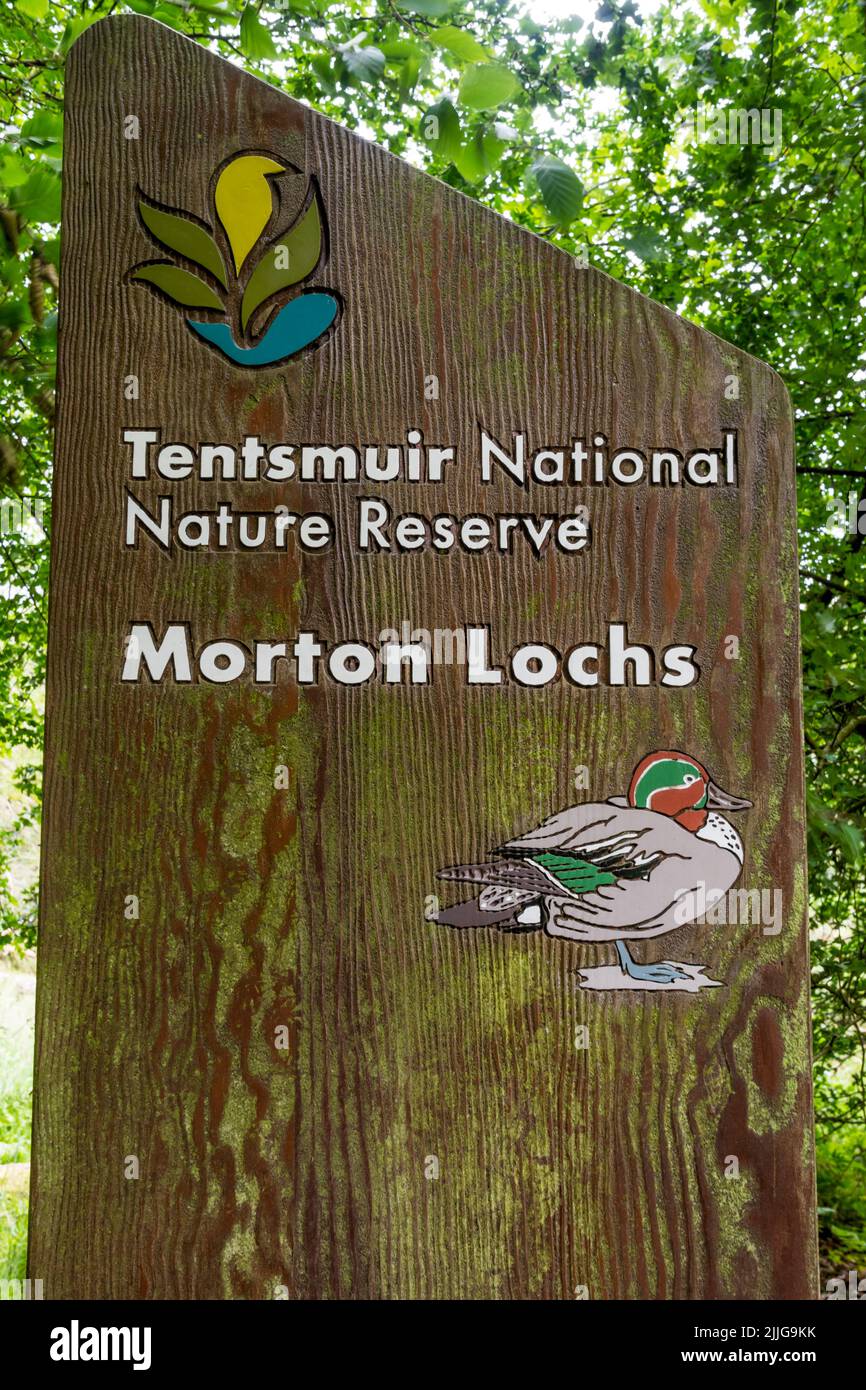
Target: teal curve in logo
[298, 324]
[243, 271]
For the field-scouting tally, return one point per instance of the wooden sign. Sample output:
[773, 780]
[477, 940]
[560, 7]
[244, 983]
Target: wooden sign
[424, 890]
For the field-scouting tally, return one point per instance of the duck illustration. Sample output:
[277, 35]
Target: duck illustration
[615, 871]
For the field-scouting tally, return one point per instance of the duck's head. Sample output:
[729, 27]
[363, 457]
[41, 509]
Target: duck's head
[679, 786]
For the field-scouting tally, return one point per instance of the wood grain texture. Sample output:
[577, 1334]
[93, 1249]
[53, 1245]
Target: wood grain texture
[304, 1168]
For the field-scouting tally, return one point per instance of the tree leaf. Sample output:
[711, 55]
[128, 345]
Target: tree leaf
[647, 244]
[469, 160]
[75, 28]
[561, 190]
[493, 147]
[323, 68]
[440, 128]
[184, 236]
[396, 49]
[410, 71]
[34, 9]
[850, 839]
[479, 156]
[180, 285]
[256, 41]
[460, 44]
[432, 9]
[45, 125]
[38, 198]
[484, 86]
[364, 64]
[300, 247]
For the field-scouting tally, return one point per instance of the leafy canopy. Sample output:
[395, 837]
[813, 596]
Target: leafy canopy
[581, 130]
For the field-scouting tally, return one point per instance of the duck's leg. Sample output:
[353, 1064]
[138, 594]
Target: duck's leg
[659, 974]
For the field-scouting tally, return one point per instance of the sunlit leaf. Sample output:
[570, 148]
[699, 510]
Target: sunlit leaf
[410, 71]
[45, 125]
[75, 28]
[479, 156]
[484, 86]
[433, 9]
[459, 44]
[256, 40]
[440, 128]
[364, 64]
[38, 198]
[649, 245]
[470, 162]
[561, 190]
[34, 9]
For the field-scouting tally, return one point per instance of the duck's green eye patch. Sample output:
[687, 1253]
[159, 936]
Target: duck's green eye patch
[664, 773]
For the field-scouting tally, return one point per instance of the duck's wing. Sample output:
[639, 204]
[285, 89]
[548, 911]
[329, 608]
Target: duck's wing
[673, 858]
[608, 838]
[570, 853]
[616, 861]
[576, 828]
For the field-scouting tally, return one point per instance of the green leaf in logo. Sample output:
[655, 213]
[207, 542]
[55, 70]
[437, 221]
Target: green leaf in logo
[287, 261]
[187, 238]
[179, 285]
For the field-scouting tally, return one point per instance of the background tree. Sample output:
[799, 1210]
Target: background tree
[583, 130]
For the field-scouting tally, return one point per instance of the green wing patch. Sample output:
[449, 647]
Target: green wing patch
[576, 875]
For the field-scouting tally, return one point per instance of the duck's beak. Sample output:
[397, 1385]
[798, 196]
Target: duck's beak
[718, 800]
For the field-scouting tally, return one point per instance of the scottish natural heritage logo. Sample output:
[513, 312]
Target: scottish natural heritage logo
[627, 869]
[242, 272]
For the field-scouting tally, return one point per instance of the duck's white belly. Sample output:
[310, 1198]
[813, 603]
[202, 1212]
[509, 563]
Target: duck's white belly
[721, 833]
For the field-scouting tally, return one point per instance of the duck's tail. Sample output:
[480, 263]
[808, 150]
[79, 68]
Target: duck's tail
[506, 898]
[471, 914]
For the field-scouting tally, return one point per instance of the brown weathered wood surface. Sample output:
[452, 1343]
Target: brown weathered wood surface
[304, 1169]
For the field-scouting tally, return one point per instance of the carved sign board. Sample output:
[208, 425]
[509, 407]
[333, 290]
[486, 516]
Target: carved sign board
[424, 874]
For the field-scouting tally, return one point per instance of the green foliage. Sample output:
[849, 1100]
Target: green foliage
[484, 86]
[15, 1126]
[441, 128]
[842, 1197]
[255, 37]
[561, 189]
[582, 131]
[13, 1236]
[459, 43]
[16, 1061]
